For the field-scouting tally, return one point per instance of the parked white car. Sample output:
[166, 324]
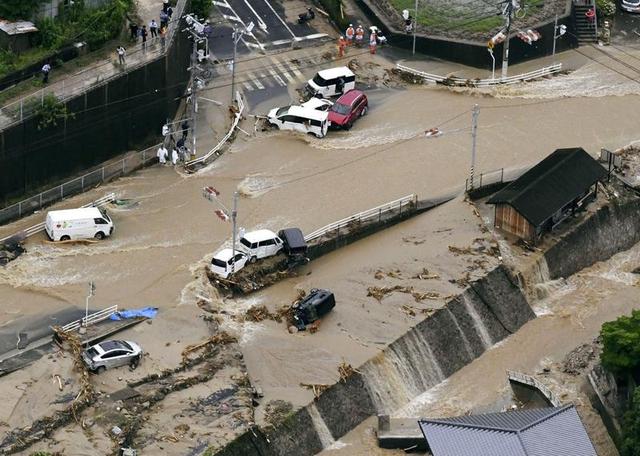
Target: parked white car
[299, 118]
[331, 82]
[222, 263]
[83, 223]
[319, 104]
[260, 244]
[112, 353]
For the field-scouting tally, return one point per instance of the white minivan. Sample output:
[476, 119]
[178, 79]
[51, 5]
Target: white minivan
[299, 118]
[331, 82]
[83, 223]
[260, 244]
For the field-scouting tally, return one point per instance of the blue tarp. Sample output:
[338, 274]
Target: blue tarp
[148, 312]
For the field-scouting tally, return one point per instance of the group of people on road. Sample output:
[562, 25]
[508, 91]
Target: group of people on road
[142, 33]
[355, 37]
[179, 150]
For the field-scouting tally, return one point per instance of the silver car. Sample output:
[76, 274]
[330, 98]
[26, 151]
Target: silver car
[112, 353]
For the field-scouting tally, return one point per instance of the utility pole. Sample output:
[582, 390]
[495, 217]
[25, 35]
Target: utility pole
[415, 27]
[194, 94]
[508, 13]
[234, 215]
[474, 130]
[212, 194]
[237, 36]
[92, 291]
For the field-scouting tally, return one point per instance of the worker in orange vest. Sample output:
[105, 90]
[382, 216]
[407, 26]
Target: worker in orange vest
[342, 44]
[350, 34]
[359, 35]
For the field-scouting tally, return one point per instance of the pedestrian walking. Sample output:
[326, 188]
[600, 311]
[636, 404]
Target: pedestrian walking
[169, 11]
[342, 44]
[153, 28]
[350, 33]
[144, 34]
[122, 52]
[46, 69]
[165, 5]
[164, 19]
[133, 29]
[163, 36]
[373, 42]
[162, 155]
[359, 35]
[185, 129]
[174, 156]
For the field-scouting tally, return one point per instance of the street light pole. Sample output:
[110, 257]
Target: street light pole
[415, 27]
[505, 48]
[234, 215]
[237, 35]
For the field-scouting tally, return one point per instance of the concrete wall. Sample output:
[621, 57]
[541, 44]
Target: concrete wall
[612, 229]
[469, 52]
[500, 307]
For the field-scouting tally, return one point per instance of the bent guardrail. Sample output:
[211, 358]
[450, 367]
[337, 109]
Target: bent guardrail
[91, 319]
[40, 226]
[469, 82]
[525, 379]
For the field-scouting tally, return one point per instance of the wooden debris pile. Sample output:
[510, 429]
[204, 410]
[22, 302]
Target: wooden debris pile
[380, 292]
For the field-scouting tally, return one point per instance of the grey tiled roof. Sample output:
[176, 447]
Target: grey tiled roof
[550, 431]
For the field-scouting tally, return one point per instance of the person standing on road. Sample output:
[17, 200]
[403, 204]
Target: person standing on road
[122, 52]
[153, 28]
[163, 36]
[144, 34]
[342, 44]
[46, 69]
[164, 19]
[133, 28]
[162, 155]
[174, 156]
[350, 34]
[185, 129]
[373, 42]
[359, 35]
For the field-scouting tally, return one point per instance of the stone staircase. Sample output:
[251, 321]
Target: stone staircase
[586, 30]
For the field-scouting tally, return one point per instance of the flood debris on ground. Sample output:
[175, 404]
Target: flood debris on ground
[380, 292]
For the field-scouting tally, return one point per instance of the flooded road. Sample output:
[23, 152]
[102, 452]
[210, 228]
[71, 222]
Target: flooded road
[162, 243]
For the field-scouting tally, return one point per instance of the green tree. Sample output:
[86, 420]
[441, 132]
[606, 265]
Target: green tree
[621, 340]
[631, 427]
[201, 8]
[51, 112]
[18, 9]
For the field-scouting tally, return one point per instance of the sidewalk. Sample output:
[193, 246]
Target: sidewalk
[98, 72]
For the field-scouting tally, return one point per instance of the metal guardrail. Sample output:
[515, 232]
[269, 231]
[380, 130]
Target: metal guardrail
[216, 149]
[80, 83]
[91, 319]
[78, 185]
[464, 82]
[376, 212]
[534, 382]
[40, 226]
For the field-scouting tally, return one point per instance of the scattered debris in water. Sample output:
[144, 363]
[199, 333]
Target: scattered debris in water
[380, 292]
[276, 411]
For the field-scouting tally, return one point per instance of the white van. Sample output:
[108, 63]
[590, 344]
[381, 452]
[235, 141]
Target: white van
[83, 223]
[222, 262]
[298, 118]
[332, 82]
[260, 244]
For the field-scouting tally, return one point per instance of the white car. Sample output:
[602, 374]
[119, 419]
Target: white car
[222, 263]
[331, 82]
[631, 6]
[112, 353]
[319, 104]
[299, 118]
[260, 244]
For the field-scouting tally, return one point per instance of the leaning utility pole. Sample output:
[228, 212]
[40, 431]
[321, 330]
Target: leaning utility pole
[194, 94]
[508, 13]
[474, 130]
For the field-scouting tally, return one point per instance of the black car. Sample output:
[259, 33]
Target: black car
[294, 245]
[312, 307]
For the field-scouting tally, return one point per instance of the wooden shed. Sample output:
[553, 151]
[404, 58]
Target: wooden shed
[548, 193]
[16, 36]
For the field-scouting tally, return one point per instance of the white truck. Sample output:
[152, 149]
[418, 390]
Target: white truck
[83, 223]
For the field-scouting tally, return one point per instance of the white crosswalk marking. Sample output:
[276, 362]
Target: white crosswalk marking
[248, 86]
[266, 82]
[255, 80]
[282, 69]
[277, 77]
[294, 69]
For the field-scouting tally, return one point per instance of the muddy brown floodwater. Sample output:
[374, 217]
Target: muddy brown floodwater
[162, 243]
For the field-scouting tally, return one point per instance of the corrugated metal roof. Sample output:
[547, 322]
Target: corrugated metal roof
[551, 184]
[17, 28]
[546, 431]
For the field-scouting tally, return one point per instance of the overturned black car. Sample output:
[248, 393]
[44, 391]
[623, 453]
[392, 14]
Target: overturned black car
[312, 307]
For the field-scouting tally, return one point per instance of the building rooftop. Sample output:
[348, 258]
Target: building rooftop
[536, 432]
[551, 184]
[17, 28]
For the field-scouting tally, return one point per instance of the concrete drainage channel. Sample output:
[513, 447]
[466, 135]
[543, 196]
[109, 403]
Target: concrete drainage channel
[488, 311]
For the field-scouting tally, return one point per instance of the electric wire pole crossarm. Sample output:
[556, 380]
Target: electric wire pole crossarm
[212, 194]
[237, 36]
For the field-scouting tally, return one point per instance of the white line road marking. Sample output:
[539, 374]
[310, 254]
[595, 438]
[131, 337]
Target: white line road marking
[282, 69]
[248, 86]
[278, 16]
[277, 77]
[223, 4]
[252, 45]
[255, 80]
[232, 18]
[280, 42]
[260, 45]
[311, 37]
[292, 67]
[261, 23]
[265, 79]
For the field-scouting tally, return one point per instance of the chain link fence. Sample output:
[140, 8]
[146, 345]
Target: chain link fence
[87, 181]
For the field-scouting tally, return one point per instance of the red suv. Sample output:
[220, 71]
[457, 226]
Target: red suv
[347, 109]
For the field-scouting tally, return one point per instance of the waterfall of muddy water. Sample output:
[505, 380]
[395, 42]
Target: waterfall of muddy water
[321, 427]
[401, 372]
[465, 341]
[478, 324]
